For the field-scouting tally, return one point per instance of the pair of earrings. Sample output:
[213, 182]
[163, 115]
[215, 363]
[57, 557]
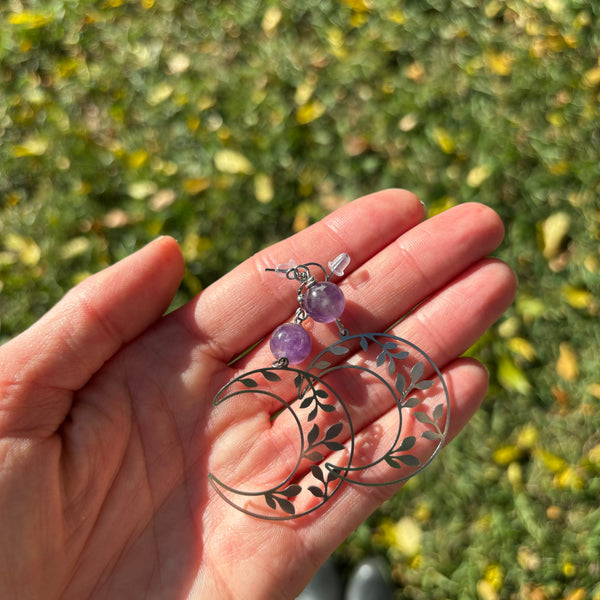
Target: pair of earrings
[331, 402]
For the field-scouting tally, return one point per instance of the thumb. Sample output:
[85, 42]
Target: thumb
[40, 368]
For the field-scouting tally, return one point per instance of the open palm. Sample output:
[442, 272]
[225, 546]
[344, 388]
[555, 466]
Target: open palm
[108, 433]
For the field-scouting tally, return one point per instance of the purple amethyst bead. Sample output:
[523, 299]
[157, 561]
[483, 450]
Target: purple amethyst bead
[291, 341]
[324, 302]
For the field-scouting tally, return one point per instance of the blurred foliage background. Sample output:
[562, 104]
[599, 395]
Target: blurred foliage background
[230, 124]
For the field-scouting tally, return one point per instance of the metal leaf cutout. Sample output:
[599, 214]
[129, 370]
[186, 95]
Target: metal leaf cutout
[311, 401]
[339, 350]
[323, 364]
[248, 382]
[270, 376]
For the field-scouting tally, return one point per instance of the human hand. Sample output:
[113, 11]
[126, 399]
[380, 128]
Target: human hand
[107, 429]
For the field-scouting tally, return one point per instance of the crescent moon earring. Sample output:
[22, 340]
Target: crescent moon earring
[322, 406]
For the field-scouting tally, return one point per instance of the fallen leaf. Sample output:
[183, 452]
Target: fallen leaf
[310, 112]
[522, 347]
[160, 93]
[567, 365]
[26, 248]
[499, 63]
[494, 575]
[415, 71]
[162, 199]
[396, 16]
[31, 20]
[444, 140]
[304, 91]
[74, 247]
[408, 122]
[594, 455]
[195, 185]
[407, 536]
[594, 390]
[505, 455]
[179, 63]
[142, 189]
[271, 19]
[358, 5]
[116, 218]
[591, 78]
[263, 187]
[578, 297]
[527, 437]
[528, 559]
[570, 477]
[33, 146]
[551, 461]
[477, 175]
[555, 230]
[230, 161]
[512, 377]
[137, 158]
[486, 591]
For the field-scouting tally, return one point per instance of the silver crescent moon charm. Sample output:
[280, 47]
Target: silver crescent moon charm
[371, 409]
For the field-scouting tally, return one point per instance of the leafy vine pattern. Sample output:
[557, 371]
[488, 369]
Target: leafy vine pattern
[315, 403]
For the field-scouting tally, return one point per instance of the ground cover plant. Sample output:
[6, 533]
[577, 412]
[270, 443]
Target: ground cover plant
[230, 124]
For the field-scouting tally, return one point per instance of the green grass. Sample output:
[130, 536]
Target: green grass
[231, 124]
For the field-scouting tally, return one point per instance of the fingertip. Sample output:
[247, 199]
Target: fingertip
[168, 251]
[473, 368]
[510, 275]
[100, 314]
[390, 212]
[487, 216]
[493, 218]
[398, 196]
[504, 279]
[468, 382]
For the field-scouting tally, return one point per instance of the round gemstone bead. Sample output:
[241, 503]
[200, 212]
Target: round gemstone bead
[291, 341]
[324, 301]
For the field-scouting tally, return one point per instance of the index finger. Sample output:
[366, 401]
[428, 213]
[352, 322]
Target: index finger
[246, 304]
